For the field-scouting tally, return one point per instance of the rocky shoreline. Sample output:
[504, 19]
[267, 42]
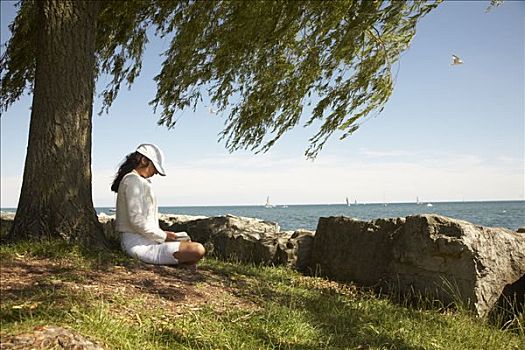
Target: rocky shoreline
[439, 257]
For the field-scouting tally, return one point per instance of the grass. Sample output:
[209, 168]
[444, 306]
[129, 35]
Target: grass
[251, 308]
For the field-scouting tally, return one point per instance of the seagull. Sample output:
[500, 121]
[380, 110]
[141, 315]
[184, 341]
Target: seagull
[212, 110]
[456, 60]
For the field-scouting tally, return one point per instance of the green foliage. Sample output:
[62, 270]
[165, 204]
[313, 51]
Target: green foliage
[122, 37]
[267, 58]
[18, 62]
[260, 60]
[494, 4]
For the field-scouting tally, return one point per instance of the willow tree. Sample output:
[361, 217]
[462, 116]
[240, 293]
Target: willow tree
[261, 61]
[52, 52]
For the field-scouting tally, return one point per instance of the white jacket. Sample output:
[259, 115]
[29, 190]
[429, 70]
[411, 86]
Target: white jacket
[137, 210]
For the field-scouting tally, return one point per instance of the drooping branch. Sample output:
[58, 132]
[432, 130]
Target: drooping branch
[18, 62]
[261, 61]
[266, 59]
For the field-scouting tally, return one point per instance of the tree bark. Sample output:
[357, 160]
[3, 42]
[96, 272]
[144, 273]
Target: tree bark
[56, 196]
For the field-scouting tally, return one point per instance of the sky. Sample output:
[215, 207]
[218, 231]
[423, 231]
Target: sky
[448, 133]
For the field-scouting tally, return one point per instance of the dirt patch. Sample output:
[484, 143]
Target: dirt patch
[175, 287]
[25, 282]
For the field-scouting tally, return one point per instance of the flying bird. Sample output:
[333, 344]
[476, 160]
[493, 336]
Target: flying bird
[456, 60]
[212, 110]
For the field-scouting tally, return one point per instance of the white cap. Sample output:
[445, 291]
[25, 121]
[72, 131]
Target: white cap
[153, 153]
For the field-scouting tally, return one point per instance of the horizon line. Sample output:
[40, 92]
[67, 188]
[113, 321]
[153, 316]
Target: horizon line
[316, 204]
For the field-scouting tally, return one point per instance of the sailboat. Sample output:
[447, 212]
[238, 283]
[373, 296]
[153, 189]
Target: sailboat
[347, 202]
[268, 205]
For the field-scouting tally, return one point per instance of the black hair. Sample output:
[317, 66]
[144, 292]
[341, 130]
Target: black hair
[131, 162]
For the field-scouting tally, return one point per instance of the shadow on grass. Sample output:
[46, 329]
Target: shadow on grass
[348, 323]
[41, 261]
[335, 320]
[348, 331]
[191, 343]
[60, 249]
[43, 287]
[339, 322]
[39, 300]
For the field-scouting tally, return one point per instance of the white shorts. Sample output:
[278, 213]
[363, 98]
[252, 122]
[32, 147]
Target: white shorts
[149, 251]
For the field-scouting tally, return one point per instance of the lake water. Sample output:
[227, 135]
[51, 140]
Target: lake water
[508, 214]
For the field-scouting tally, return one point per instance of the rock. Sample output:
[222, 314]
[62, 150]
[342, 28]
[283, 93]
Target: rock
[108, 226]
[521, 230]
[284, 254]
[303, 240]
[244, 246]
[48, 337]
[353, 250]
[234, 237]
[443, 258]
[6, 221]
[169, 220]
[7, 215]
[202, 229]
[259, 242]
[294, 248]
[459, 260]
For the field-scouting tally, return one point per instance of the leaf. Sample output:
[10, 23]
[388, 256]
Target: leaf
[261, 60]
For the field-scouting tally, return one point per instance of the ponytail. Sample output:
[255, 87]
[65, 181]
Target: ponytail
[131, 162]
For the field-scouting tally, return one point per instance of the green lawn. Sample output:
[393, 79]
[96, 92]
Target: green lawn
[123, 304]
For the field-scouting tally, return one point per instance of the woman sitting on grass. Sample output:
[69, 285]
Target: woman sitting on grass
[137, 213]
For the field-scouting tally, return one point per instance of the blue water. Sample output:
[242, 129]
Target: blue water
[508, 214]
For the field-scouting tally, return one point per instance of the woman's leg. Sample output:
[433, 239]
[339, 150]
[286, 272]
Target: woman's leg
[189, 252]
[154, 253]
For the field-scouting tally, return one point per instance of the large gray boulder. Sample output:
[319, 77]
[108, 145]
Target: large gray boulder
[202, 229]
[461, 261]
[353, 250]
[247, 239]
[443, 258]
[233, 237]
[171, 220]
[245, 246]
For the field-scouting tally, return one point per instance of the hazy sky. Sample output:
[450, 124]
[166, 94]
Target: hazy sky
[447, 133]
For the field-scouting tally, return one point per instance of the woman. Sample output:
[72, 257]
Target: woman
[137, 213]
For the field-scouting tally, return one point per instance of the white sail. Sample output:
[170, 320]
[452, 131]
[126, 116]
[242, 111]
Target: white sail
[268, 204]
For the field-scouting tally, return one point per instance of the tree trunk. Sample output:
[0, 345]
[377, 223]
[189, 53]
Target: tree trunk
[56, 199]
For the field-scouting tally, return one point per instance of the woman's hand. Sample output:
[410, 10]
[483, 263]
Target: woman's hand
[170, 236]
[177, 236]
